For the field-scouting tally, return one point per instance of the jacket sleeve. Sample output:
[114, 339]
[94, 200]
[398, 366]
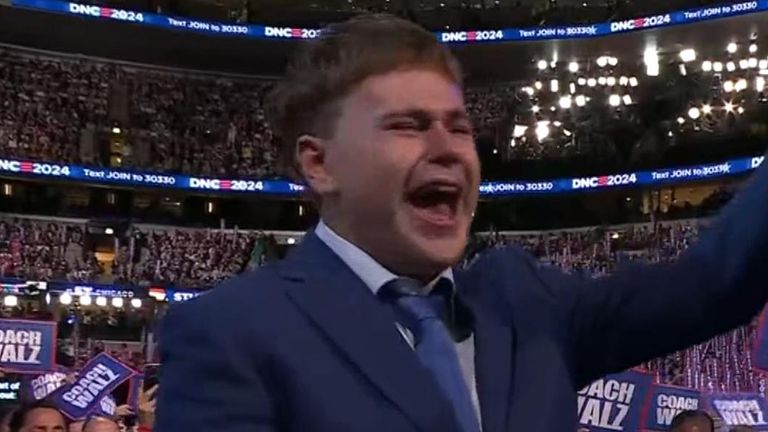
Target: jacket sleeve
[645, 311]
[208, 380]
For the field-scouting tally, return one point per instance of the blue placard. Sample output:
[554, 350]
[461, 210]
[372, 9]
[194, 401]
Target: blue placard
[613, 403]
[470, 36]
[43, 385]
[97, 379]
[661, 176]
[740, 409]
[27, 346]
[665, 402]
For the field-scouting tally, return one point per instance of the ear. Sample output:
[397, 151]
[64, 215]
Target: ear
[311, 160]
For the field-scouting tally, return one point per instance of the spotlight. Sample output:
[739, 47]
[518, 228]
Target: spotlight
[753, 62]
[614, 100]
[565, 102]
[542, 130]
[680, 120]
[694, 113]
[613, 61]
[759, 83]
[136, 303]
[554, 86]
[512, 143]
[591, 82]
[728, 86]
[535, 109]
[582, 81]
[572, 88]
[542, 64]
[762, 64]
[538, 85]
[741, 85]
[627, 99]
[611, 81]
[753, 48]
[633, 82]
[85, 300]
[651, 60]
[101, 301]
[623, 81]
[601, 81]
[519, 131]
[602, 61]
[717, 67]
[65, 299]
[580, 100]
[10, 301]
[740, 110]
[706, 66]
[728, 107]
[732, 47]
[688, 55]
[117, 302]
[652, 69]
[528, 90]
[116, 130]
[109, 231]
[730, 66]
[683, 70]
[743, 63]
[567, 133]
[573, 67]
[706, 109]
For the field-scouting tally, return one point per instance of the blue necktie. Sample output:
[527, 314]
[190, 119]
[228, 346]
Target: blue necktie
[434, 345]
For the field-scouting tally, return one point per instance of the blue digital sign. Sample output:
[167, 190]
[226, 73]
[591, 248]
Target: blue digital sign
[13, 167]
[472, 36]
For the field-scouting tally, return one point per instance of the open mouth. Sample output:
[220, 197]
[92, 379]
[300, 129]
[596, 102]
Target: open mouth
[436, 203]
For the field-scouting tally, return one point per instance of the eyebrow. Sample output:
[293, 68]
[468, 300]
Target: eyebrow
[455, 114]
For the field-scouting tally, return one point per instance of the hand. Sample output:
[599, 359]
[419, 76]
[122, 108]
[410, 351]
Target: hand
[123, 410]
[147, 403]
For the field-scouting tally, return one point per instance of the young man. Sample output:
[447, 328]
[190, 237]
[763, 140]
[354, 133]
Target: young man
[366, 326]
[38, 417]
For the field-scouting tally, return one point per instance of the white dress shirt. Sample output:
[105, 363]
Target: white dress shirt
[375, 276]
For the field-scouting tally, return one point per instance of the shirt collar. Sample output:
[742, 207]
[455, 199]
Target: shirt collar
[373, 274]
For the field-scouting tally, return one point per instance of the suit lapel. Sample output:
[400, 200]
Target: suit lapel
[494, 346]
[340, 304]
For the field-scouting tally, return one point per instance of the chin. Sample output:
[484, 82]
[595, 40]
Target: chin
[433, 255]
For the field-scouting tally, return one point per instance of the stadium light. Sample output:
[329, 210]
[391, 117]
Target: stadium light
[65, 299]
[118, 302]
[762, 64]
[633, 82]
[694, 113]
[602, 61]
[611, 81]
[109, 231]
[86, 300]
[728, 106]
[535, 109]
[623, 81]
[101, 301]
[743, 64]
[706, 108]
[573, 67]
[753, 48]
[706, 66]
[602, 81]
[581, 100]
[728, 86]
[136, 303]
[582, 81]
[717, 67]
[512, 142]
[528, 90]
[116, 130]
[651, 60]
[591, 82]
[613, 61]
[688, 55]
[680, 120]
[732, 48]
[740, 110]
[614, 100]
[682, 69]
[519, 131]
[730, 66]
[538, 85]
[553, 108]
[10, 301]
[759, 83]
[542, 65]
[565, 102]
[627, 99]
[554, 86]
[572, 88]
[567, 133]
[542, 130]
[741, 85]
[753, 62]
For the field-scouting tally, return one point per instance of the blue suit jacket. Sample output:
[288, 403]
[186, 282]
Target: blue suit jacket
[303, 345]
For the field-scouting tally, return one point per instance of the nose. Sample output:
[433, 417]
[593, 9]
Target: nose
[443, 147]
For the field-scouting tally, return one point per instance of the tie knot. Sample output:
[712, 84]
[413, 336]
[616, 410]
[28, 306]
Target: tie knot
[411, 305]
